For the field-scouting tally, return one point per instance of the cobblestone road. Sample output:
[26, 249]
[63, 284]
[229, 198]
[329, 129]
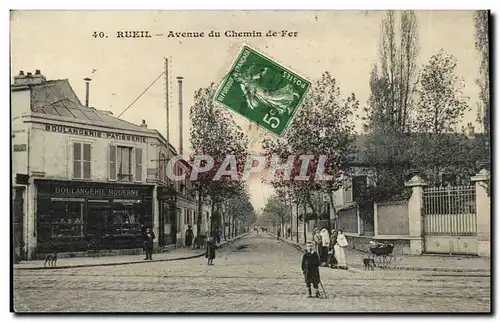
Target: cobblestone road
[255, 274]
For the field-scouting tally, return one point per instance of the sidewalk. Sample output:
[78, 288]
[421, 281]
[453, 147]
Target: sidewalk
[416, 263]
[173, 255]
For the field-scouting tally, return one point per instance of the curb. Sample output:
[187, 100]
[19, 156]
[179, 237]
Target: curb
[133, 262]
[404, 268]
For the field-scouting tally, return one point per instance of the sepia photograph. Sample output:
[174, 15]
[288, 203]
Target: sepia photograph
[250, 161]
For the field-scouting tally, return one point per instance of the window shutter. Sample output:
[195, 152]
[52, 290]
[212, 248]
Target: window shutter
[77, 160]
[112, 162]
[138, 164]
[86, 160]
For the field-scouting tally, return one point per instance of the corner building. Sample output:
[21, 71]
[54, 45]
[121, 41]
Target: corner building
[80, 174]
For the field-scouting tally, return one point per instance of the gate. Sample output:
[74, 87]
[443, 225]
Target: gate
[450, 220]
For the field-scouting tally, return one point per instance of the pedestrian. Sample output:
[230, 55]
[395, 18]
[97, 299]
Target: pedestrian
[148, 243]
[188, 237]
[339, 250]
[210, 252]
[289, 231]
[325, 242]
[278, 234]
[310, 269]
[219, 234]
[332, 261]
[317, 240]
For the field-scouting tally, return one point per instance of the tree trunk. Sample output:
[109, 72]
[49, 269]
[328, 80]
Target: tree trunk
[332, 205]
[214, 220]
[305, 224]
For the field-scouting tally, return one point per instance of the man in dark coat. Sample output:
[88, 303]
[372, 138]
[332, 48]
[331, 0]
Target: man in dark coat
[310, 269]
[189, 236]
[148, 243]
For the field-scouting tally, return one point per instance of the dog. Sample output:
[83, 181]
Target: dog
[51, 259]
[369, 262]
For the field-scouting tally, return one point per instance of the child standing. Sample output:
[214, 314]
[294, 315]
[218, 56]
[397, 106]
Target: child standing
[210, 252]
[310, 269]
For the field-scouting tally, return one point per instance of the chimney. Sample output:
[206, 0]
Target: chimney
[29, 78]
[87, 83]
[38, 78]
[143, 124]
[179, 81]
[18, 80]
[470, 129]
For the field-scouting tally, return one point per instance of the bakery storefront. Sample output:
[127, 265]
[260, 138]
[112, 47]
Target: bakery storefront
[72, 214]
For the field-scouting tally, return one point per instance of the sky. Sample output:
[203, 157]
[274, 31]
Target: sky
[345, 43]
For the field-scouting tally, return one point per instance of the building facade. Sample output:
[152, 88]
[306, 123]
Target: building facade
[81, 175]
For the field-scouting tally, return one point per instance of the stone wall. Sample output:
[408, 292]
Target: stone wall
[348, 220]
[392, 219]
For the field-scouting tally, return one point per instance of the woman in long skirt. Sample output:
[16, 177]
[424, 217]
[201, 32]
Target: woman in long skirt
[339, 250]
[210, 252]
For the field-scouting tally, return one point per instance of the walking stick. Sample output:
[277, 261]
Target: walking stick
[326, 295]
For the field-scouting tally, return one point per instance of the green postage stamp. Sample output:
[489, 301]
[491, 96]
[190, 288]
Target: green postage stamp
[262, 91]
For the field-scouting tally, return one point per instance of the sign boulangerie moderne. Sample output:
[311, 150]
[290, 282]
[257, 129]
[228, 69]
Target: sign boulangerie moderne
[73, 189]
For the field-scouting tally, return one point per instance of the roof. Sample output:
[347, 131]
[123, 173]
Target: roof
[57, 98]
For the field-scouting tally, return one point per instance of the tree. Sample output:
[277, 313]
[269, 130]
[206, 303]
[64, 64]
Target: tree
[481, 20]
[322, 127]
[390, 107]
[214, 133]
[441, 104]
[238, 206]
[276, 210]
[394, 78]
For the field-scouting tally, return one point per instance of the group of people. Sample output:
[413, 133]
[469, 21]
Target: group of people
[325, 250]
[330, 247]
[149, 236]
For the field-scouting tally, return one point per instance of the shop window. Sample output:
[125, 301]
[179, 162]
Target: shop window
[60, 219]
[138, 164]
[81, 160]
[124, 163]
[124, 221]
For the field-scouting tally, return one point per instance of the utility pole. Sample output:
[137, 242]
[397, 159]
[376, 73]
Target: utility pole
[179, 81]
[167, 106]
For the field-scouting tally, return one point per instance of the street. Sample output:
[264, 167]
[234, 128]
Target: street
[254, 274]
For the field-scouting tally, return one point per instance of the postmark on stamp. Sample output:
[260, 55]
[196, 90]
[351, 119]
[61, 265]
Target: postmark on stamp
[263, 91]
